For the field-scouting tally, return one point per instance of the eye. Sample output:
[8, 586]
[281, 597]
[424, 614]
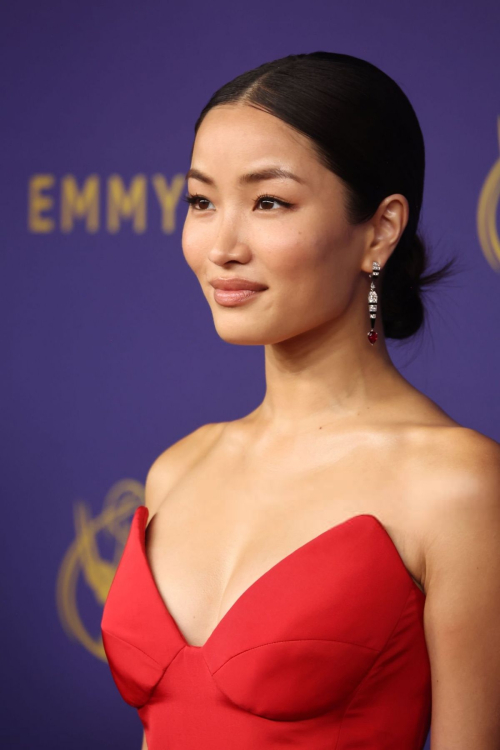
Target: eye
[196, 199]
[272, 199]
[193, 199]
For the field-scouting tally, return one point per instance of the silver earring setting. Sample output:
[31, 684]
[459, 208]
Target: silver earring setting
[372, 303]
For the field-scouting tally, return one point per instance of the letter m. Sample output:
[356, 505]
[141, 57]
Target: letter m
[80, 204]
[128, 204]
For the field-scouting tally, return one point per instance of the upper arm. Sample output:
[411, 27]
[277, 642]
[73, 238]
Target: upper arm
[144, 745]
[170, 465]
[462, 609]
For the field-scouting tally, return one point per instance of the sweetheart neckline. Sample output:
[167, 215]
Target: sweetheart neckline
[143, 512]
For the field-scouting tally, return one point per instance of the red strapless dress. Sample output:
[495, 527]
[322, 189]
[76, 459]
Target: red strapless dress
[325, 651]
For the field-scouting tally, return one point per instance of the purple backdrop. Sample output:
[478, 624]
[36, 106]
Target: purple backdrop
[109, 344]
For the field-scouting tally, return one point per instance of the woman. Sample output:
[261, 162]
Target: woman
[323, 572]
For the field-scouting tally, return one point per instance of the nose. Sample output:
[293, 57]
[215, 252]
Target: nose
[229, 246]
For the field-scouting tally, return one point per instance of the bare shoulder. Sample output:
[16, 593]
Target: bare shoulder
[449, 477]
[461, 515]
[467, 500]
[174, 461]
[455, 473]
[463, 464]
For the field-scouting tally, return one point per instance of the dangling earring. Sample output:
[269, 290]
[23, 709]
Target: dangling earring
[372, 303]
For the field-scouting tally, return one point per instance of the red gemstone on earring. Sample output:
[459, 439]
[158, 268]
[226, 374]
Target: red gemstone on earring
[372, 336]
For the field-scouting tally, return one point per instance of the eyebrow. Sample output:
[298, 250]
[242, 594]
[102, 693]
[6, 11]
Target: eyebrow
[270, 173]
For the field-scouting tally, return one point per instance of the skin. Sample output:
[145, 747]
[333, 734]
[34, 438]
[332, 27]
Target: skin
[339, 431]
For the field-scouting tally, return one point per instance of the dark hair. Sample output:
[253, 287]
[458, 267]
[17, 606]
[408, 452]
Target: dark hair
[364, 129]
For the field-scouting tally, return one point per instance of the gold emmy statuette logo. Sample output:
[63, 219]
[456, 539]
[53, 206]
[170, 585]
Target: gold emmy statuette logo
[487, 213]
[84, 564]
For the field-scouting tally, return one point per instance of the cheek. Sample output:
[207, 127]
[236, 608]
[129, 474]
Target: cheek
[303, 262]
[193, 246]
[310, 276]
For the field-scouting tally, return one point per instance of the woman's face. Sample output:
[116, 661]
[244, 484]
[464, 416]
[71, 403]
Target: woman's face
[306, 254]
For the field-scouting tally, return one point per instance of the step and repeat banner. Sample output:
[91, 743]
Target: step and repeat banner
[110, 353]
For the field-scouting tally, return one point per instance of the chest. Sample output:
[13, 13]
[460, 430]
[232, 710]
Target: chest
[220, 531]
[337, 620]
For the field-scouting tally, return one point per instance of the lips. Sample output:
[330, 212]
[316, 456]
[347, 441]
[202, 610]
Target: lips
[236, 284]
[235, 297]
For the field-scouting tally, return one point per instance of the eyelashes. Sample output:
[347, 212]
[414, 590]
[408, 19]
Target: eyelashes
[193, 199]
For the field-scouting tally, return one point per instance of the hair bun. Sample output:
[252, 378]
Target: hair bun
[402, 309]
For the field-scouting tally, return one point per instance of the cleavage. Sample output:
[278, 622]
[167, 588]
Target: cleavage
[191, 590]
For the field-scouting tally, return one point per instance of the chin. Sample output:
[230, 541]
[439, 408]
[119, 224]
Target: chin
[239, 337]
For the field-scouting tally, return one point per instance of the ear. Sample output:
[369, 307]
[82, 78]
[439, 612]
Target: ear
[387, 224]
